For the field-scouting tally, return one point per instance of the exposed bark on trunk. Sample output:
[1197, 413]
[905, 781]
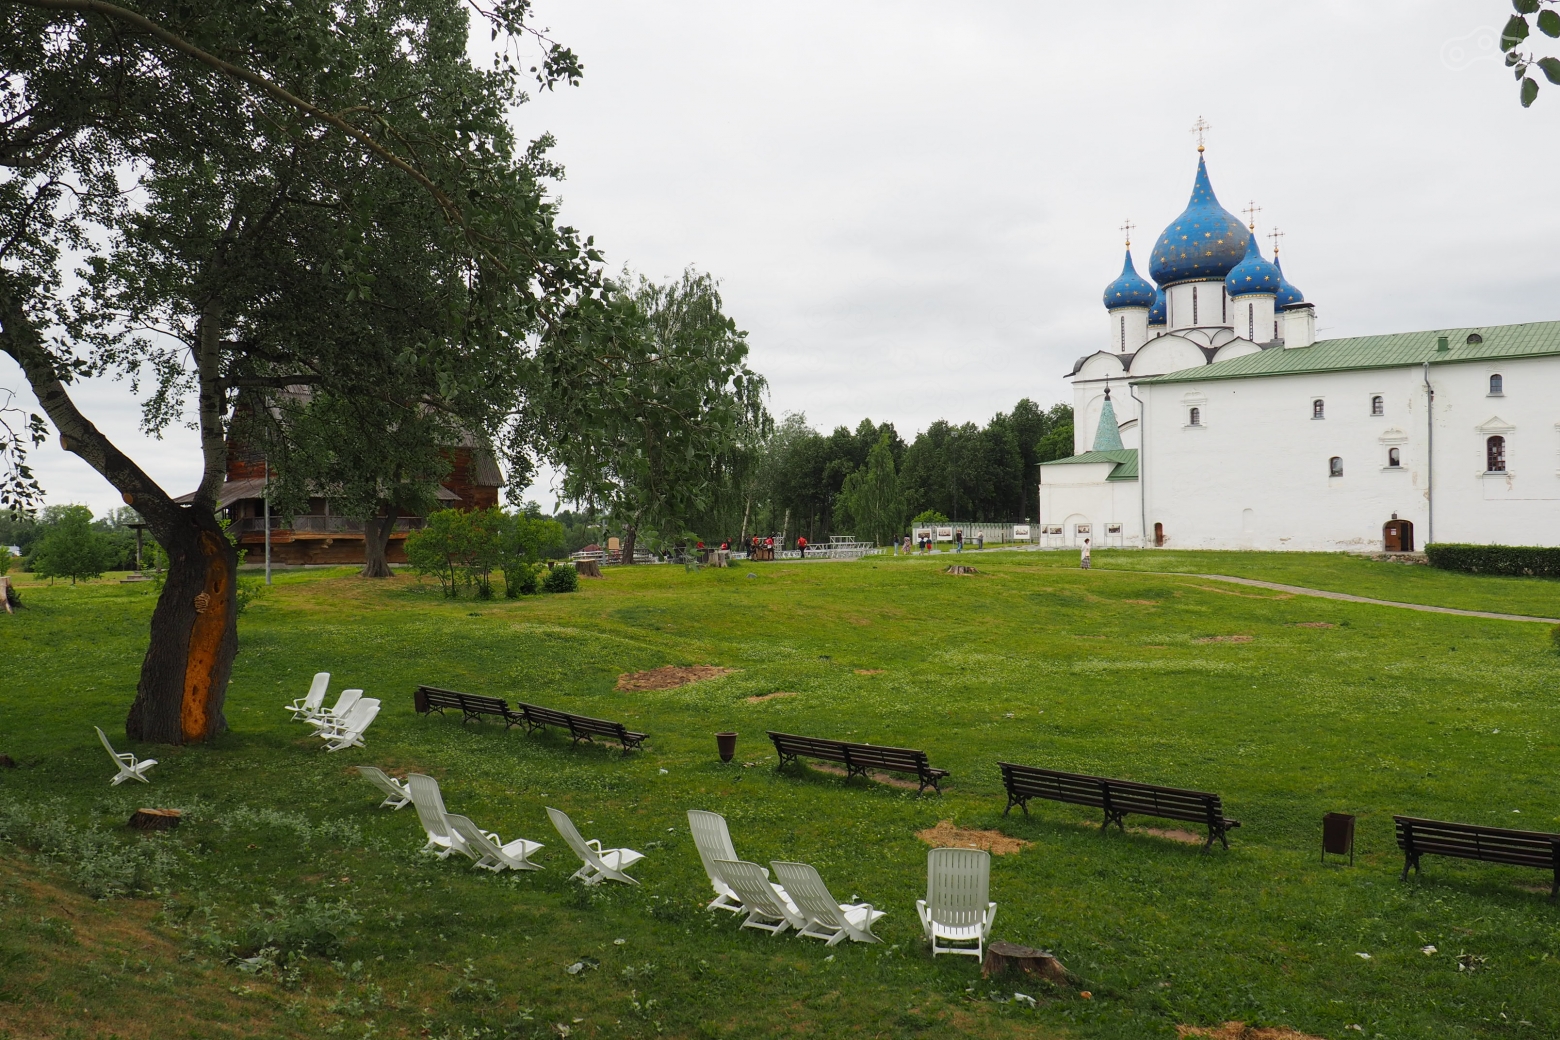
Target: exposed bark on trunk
[629, 536]
[376, 547]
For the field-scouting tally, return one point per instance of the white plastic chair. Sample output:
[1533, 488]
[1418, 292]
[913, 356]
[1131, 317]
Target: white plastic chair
[396, 794]
[768, 907]
[336, 712]
[489, 849]
[600, 864]
[956, 908]
[713, 840]
[435, 821]
[130, 767]
[827, 918]
[308, 706]
[349, 732]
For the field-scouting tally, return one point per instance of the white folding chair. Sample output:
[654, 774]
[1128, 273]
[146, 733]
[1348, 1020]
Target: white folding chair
[767, 909]
[956, 908]
[827, 918]
[396, 794]
[309, 705]
[349, 731]
[489, 849]
[336, 712]
[713, 840]
[600, 864]
[130, 767]
[435, 821]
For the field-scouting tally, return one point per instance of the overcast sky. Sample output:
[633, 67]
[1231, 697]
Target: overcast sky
[913, 207]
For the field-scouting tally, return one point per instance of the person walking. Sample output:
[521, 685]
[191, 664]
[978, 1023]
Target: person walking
[958, 540]
[1083, 557]
[801, 543]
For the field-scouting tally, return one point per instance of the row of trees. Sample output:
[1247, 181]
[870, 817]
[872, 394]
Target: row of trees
[463, 549]
[66, 542]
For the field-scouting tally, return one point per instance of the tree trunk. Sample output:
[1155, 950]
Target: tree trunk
[185, 673]
[376, 545]
[629, 534]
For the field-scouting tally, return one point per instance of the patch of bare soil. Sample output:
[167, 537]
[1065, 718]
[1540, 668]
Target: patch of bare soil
[1225, 639]
[946, 835]
[761, 697]
[869, 671]
[1315, 624]
[1241, 1031]
[670, 676]
[883, 778]
[1184, 837]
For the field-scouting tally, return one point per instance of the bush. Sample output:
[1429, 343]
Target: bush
[289, 929]
[521, 579]
[1531, 560]
[96, 860]
[562, 578]
[71, 548]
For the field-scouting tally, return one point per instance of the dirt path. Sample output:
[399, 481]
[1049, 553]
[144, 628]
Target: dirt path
[1301, 591]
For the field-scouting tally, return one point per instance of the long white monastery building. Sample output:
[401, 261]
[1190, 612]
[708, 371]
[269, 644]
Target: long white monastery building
[1213, 418]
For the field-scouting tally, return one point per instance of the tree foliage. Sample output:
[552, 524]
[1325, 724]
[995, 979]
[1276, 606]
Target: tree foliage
[462, 549]
[71, 548]
[871, 501]
[1545, 17]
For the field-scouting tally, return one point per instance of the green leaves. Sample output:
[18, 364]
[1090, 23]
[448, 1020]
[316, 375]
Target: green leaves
[1514, 33]
[1529, 91]
[1551, 67]
[1549, 23]
[1525, 6]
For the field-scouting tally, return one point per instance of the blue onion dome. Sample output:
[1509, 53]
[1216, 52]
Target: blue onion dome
[1288, 295]
[1156, 313]
[1253, 274]
[1205, 241]
[1128, 290]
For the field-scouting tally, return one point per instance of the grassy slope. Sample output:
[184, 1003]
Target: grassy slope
[1389, 711]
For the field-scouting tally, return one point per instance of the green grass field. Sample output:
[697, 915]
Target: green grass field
[1326, 707]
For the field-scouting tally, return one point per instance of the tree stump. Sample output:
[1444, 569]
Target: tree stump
[960, 568]
[1002, 957]
[155, 819]
[588, 568]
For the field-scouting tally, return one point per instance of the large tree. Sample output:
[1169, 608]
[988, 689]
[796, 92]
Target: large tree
[328, 203]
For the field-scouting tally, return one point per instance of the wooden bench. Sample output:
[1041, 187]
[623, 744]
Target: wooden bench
[858, 758]
[580, 727]
[470, 705]
[1418, 837]
[1117, 799]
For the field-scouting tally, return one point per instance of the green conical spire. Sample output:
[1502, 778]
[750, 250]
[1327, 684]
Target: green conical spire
[1108, 436]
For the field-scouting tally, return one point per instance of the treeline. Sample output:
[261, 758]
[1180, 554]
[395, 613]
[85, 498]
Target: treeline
[867, 482]
[66, 542]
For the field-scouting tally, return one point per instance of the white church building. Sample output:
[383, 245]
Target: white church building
[1214, 418]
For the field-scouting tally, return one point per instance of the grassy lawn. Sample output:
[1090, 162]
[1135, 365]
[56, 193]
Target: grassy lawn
[1326, 707]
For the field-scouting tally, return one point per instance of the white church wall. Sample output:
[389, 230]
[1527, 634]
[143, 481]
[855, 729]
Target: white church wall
[1128, 329]
[1235, 348]
[1170, 353]
[1298, 326]
[1254, 318]
[1197, 305]
[1078, 496]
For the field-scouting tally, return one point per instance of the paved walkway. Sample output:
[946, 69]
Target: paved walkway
[1300, 591]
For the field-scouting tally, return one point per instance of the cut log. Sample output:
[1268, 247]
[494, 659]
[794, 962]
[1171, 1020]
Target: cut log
[1002, 957]
[960, 568]
[155, 819]
[588, 568]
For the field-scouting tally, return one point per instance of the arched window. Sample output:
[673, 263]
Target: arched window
[1378, 406]
[1495, 455]
[1394, 458]
[1335, 467]
[1194, 417]
[1497, 386]
[1317, 409]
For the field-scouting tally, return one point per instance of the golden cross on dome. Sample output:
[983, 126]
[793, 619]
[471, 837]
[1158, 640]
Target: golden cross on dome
[1200, 128]
[1251, 211]
[1126, 229]
[1275, 235]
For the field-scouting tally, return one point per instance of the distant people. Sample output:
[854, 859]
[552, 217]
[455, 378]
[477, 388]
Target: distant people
[958, 540]
[801, 544]
[980, 541]
[907, 545]
[1083, 557]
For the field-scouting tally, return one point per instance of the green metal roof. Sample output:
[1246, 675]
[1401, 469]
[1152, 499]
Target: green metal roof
[1126, 460]
[1535, 339]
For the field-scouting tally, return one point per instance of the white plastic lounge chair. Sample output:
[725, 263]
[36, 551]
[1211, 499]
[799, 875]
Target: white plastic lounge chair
[130, 767]
[435, 821]
[713, 840]
[308, 706]
[955, 908]
[767, 909]
[336, 712]
[396, 794]
[349, 732]
[490, 851]
[827, 918]
[600, 864]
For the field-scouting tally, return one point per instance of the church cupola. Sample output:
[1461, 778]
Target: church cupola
[1252, 286]
[1128, 300]
[1156, 313]
[1295, 317]
[1205, 242]
[1107, 437]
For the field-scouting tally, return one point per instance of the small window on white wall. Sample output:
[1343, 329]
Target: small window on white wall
[1495, 455]
[1318, 409]
[1378, 406]
[1335, 467]
[1497, 386]
[1394, 458]
[1194, 417]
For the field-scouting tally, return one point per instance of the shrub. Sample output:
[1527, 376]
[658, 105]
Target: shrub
[100, 863]
[1532, 560]
[562, 578]
[288, 929]
[521, 579]
[71, 548]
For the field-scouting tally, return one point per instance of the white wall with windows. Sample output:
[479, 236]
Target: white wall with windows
[1325, 461]
[1077, 498]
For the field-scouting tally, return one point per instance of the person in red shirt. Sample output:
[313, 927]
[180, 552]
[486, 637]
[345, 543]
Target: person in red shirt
[801, 543]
